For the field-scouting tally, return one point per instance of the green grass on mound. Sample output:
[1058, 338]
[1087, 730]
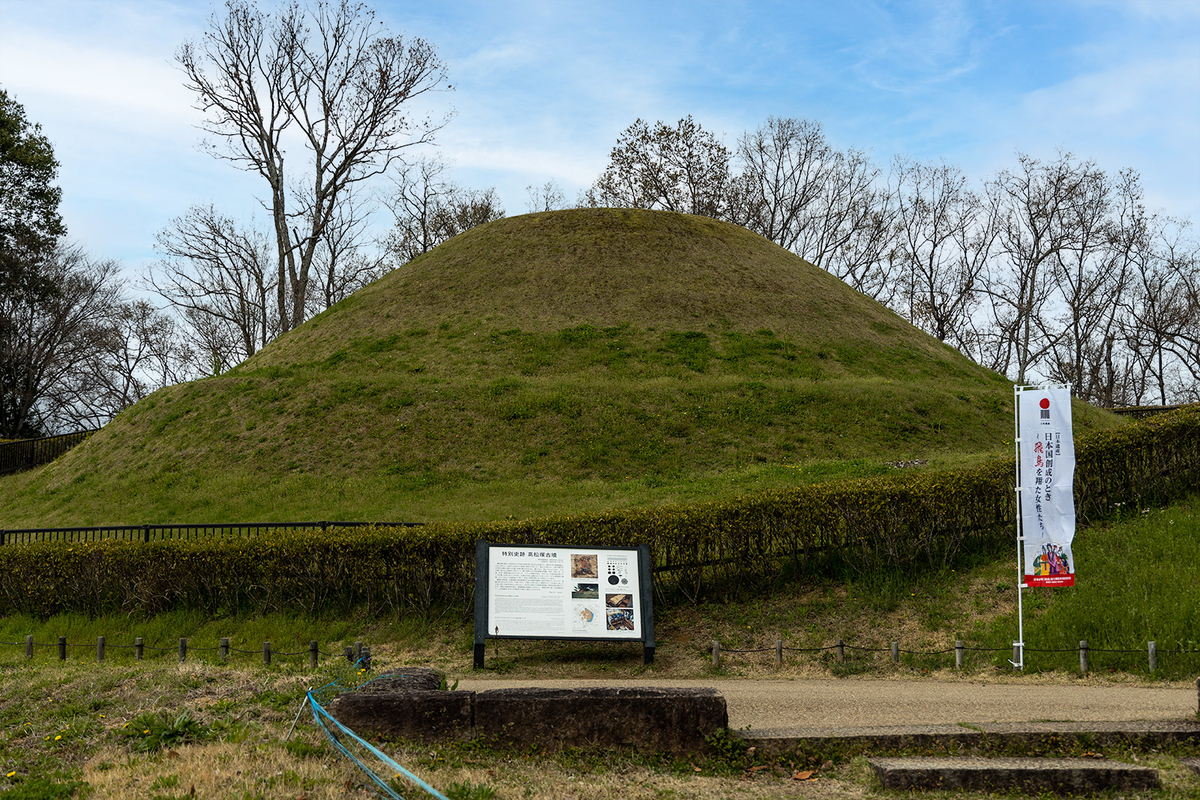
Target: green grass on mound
[553, 363]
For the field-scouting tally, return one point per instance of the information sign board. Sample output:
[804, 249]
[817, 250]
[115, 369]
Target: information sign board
[552, 592]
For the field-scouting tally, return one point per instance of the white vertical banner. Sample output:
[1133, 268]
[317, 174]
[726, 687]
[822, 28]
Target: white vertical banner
[1046, 467]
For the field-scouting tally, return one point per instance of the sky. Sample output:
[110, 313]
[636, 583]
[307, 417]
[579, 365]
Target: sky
[542, 90]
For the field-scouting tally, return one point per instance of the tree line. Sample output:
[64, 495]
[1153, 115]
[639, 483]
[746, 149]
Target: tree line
[1048, 270]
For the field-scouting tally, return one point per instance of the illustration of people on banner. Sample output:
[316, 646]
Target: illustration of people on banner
[1047, 469]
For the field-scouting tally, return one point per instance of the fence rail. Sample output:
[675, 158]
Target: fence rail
[1141, 412]
[28, 453]
[148, 533]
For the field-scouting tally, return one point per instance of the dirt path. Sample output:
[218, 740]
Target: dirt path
[851, 703]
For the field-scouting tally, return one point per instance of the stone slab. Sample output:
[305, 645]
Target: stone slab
[408, 679]
[649, 719]
[1030, 775]
[425, 714]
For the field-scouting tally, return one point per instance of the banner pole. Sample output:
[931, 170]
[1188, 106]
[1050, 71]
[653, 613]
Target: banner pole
[1020, 643]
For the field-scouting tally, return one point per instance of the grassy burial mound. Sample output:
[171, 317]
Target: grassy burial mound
[550, 363]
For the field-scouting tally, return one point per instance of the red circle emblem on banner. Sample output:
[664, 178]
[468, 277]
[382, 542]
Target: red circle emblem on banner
[1045, 402]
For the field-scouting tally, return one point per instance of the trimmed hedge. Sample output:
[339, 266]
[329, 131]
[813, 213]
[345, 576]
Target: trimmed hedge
[907, 521]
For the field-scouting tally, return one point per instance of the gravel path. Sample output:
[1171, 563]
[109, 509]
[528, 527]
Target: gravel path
[853, 703]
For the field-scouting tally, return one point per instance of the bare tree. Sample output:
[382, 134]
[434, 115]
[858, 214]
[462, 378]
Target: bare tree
[420, 191]
[1150, 316]
[850, 232]
[675, 168]
[220, 277]
[429, 208]
[48, 339]
[1037, 222]
[341, 265]
[140, 351]
[1178, 254]
[326, 76]
[786, 164]
[1110, 230]
[945, 234]
[547, 197]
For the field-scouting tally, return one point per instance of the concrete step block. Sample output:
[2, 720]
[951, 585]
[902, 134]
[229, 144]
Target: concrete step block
[1032, 775]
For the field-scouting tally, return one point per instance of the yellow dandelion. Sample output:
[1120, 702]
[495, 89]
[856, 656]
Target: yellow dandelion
[9, 775]
[146, 731]
[56, 738]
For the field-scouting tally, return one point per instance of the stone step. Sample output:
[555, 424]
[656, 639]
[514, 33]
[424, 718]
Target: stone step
[1048, 738]
[1030, 775]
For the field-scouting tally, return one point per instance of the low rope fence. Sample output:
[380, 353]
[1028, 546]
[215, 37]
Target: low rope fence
[358, 652]
[960, 649]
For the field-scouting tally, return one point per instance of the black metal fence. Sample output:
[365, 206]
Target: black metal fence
[148, 533]
[1141, 412]
[28, 453]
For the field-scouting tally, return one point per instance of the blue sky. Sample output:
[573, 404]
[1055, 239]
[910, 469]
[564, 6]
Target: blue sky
[543, 89]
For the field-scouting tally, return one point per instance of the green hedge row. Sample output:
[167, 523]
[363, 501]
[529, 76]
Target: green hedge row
[909, 521]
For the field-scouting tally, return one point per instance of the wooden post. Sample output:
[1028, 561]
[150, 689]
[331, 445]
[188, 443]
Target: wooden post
[1152, 652]
[778, 653]
[267, 654]
[895, 652]
[62, 648]
[1083, 658]
[99, 648]
[716, 653]
[348, 652]
[313, 650]
[958, 653]
[357, 650]
[841, 651]
[29, 646]
[182, 650]
[225, 649]
[138, 647]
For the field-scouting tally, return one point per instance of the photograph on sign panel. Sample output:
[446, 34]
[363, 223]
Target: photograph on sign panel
[618, 600]
[620, 619]
[585, 591]
[583, 565]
